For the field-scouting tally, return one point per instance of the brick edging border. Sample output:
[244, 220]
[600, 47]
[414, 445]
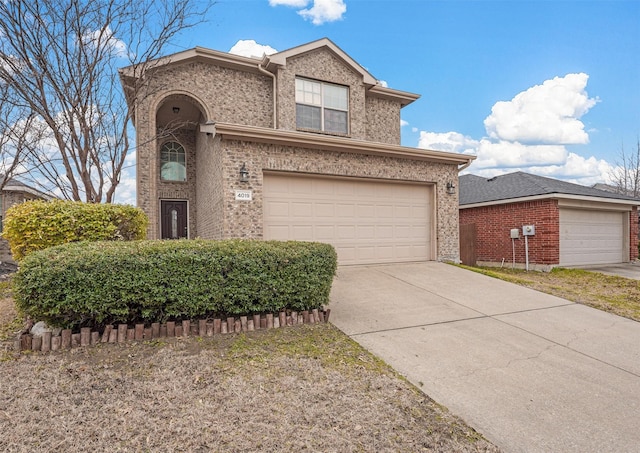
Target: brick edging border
[208, 327]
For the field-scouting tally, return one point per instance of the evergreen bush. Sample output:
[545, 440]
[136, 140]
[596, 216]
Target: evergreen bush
[97, 283]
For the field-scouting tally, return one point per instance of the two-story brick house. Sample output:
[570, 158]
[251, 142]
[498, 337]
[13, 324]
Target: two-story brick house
[303, 144]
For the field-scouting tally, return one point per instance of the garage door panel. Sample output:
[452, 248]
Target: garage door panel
[384, 211]
[366, 221]
[300, 232]
[325, 232]
[300, 209]
[344, 210]
[402, 211]
[384, 232]
[591, 237]
[277, 232]
[325, 209]
[346, 232]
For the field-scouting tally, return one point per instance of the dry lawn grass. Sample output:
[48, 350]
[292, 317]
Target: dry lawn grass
[304, 388]
[617, 295]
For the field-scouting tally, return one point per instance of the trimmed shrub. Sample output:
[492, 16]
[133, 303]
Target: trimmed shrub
[93, 284]
[37, 225]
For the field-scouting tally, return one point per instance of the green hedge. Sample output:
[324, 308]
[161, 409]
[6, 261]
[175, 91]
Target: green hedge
[37, 225]
[99, 283]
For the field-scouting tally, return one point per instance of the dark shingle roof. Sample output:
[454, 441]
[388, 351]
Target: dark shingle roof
[476, 189]
[15, 185]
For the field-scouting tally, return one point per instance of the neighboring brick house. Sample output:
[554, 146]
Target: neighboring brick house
[14, 192]
[572, 224]
[303, 144]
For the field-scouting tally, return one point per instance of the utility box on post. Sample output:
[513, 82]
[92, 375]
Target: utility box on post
[515, 233]
[528, 230]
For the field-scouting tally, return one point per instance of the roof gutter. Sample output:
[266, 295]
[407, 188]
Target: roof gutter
[466, 165]
[563, 199]
[230, 131]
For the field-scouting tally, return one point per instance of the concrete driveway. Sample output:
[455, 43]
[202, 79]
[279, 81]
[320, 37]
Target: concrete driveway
[531, 372]
[627, 270]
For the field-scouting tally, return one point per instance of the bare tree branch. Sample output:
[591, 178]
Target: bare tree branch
[58, 63]
[625, 177]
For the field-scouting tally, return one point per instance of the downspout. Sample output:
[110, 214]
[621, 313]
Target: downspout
[465, 165]
[275, 86]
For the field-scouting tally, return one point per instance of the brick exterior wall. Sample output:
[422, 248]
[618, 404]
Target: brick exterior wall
[244, 219]
[242, 96]
[324, 66]
[493, 225]
[221, 94]
[383, 121]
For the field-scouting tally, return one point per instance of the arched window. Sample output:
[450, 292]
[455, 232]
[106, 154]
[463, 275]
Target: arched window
[173, 162]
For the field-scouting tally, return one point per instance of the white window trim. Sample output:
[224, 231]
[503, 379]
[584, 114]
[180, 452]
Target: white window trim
[322, 106]
[160, 162]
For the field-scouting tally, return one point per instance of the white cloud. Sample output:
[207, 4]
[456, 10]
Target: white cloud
[576, 169]
[105, 39]
[530, 133]
[383, 83]
[544, 114]
[453, 142]
[126, 191]
[250, 48]
[503, 154]
[293, 3]
[403, 123]
[324, 11]
[320, 12]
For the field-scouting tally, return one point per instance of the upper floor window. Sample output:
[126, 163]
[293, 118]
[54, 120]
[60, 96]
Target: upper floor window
[173, 162]
[322, 106]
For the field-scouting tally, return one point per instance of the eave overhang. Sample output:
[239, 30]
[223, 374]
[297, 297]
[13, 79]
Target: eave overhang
[404, 97]
[567, 200]
[26, 189]
[228, 131]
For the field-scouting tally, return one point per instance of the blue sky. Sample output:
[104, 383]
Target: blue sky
[549, 87]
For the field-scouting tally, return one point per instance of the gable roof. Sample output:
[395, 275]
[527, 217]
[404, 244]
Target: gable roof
[478, 190]
[267, 62]
[14, 185]
[280, 58]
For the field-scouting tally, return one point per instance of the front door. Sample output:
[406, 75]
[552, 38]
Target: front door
[173, 219]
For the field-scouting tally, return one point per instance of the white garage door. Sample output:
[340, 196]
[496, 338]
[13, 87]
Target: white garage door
[591, 237]
[366, 221]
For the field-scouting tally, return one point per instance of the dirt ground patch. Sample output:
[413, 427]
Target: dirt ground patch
[304, 388]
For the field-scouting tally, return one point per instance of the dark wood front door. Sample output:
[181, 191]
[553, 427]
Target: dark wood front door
[173, 219]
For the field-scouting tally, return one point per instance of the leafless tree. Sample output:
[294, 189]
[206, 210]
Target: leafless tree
[59, 63]
[625, 177]
[15, 125]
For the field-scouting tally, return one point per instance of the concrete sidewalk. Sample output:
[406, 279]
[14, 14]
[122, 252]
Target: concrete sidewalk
[531, 372]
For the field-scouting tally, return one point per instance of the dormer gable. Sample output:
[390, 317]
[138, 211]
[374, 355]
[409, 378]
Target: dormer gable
[374, 87]
[271, 62]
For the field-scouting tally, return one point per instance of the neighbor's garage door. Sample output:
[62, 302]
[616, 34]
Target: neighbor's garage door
[591, 237]
[366, 221]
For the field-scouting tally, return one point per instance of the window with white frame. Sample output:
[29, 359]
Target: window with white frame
[173, 162]
[322, 106]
